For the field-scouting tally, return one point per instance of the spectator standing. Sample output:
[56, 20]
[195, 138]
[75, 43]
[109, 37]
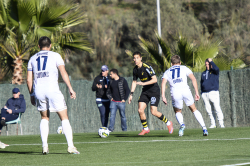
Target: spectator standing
[12, 108]
[100, 85]
[210, 92]
[118, 92]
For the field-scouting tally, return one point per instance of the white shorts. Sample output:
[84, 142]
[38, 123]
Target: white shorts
[178, 95]
[50, 100]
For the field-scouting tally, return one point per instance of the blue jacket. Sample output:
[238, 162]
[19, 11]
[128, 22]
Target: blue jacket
[16, 105]
[212, 82]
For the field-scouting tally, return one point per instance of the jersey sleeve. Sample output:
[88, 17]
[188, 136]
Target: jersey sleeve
[59, 60]
[150, 71]
[29, 66]
[188, 71]
[135, 76]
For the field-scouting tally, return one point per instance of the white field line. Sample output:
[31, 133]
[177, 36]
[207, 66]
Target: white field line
[109, 142]
[237, 164]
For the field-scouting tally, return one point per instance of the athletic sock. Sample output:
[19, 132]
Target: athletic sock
[179, 118]
[68, 132]
[163, 118]
[199, 118]
[144, 124]
[44, 131]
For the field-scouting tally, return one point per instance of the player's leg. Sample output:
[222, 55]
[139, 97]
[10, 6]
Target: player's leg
[67, 130]
[199, 118]
[214, 97]
[141, 107]
[57, 104]
[121, 107]
[177, 102]
[113, 109]
[154, 97]
[179, 118]
[189, 101]
[205, 97]
[44, 130]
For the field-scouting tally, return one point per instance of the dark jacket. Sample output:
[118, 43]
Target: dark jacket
[212, 82]
[17, 105]
[122, 88]
[100, 92]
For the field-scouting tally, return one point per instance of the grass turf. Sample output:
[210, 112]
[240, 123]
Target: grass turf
[221, 147]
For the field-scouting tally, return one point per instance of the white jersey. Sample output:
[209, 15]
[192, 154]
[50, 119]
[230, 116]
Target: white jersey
[44, 65]
[177, 76]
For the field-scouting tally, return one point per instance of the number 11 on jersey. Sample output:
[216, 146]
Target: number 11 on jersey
[173, 72]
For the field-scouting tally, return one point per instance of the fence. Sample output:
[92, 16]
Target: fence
[84, 115]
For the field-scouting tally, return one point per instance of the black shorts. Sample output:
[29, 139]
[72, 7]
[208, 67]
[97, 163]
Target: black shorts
[150, 95]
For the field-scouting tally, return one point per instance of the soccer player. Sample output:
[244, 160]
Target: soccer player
[179, 89]
[150, 93]
[45, 92]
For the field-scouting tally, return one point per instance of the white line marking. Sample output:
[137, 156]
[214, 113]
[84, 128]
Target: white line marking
[109, 142]
[237, 164]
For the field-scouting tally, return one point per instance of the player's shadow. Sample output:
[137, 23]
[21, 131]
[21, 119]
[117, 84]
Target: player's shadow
[29, 153]
[152, 135]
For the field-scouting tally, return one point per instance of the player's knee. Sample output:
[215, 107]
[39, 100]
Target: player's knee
[140, 111]
[154, 112]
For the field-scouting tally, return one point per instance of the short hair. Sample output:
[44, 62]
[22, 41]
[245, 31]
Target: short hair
[207, 60]
[115, 71]
[136, 53]
[175, 59]
[44, 41]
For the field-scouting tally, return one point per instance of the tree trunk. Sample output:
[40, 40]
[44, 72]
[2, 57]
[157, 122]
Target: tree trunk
[17, 77]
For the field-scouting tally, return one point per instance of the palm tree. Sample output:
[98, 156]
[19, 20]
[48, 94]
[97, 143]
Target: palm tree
[192, 56]
[23, 22]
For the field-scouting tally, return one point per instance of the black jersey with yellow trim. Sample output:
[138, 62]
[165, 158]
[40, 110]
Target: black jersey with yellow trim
[144, 73]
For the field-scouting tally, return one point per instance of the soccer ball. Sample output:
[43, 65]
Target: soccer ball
[60, 130]
[103, 132]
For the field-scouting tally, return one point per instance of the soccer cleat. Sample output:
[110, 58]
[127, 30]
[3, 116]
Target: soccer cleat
[73, 150]
[3, 145]
[222, 126]
[181, 130]
[212, 126]
[170, 128]
[45, 150]
[205, 133]
[144, 132]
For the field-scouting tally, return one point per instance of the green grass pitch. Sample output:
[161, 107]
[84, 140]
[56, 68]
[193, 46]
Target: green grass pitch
[226, 146]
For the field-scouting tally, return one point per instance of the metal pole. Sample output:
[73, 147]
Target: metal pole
[159, 22]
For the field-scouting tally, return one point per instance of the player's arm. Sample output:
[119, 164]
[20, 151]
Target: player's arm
[133, 86]
[30, 87]
[193, 79]
[65, 78]
[163, 88]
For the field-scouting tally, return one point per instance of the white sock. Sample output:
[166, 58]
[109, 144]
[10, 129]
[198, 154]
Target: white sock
[199, 118]
[146, 128]
[44, 131]
[179, 118]
[68, 132]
